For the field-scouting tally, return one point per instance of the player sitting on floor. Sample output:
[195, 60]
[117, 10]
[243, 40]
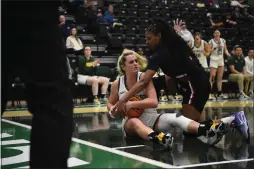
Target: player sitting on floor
[150, 125]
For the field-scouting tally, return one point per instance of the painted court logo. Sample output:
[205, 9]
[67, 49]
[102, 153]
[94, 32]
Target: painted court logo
[15, 150]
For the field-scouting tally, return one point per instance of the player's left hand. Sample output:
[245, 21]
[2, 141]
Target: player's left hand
[112, 112]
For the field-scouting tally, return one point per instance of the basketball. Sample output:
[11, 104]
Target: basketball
[135, 113]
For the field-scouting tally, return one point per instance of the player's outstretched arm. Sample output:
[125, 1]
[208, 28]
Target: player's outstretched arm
[113, 98]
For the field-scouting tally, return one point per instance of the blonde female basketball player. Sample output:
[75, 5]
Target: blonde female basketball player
[218, 47]
[150, 123]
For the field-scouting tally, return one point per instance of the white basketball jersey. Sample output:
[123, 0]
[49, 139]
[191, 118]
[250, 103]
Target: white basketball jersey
[122, 89]
[199, 53]
[218, 52]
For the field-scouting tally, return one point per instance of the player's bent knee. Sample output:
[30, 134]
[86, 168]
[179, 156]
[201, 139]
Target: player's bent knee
[133, 123]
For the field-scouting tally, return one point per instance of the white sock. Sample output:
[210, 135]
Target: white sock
[228, 120]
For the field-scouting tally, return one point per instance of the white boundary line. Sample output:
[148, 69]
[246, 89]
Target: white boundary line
[104, 148]
[17, 124]
[125, 147]
[125, 154]
[215, 163]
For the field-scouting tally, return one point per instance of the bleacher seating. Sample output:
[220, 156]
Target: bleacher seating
[135, 15]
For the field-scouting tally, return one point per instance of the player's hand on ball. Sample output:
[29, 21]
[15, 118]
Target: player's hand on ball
[120, 107]
[127, 106]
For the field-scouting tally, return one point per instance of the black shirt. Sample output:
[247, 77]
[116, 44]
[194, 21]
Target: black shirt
[173, 65]
[238, 62]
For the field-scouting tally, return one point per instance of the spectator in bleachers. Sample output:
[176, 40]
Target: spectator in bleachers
[65, 28]
[181, 29]
[238, 3]
[218, 48]
[247, 16]
[140, 51]
[238, 73]
[100, 18]
[249, 62]
[93, 18]
[212, 23]
[109, 15]
[233, 50]
[201, 49]
[236, 15]
[230, 21]
[73, 41]
[88, 3]
[87, 75]
[211, 3]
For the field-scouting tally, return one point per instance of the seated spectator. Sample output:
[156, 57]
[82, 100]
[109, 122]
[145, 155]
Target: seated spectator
[140, 51]
[247, 16]
[237, 16]
[88, 3]
[109, 17]
[238, 73]
[230, 21]
[87, 76]
[212, 23]
[65, 28]
[73, 41]
[100, 18]
[233, 50]
[249, 62]
[93, 18]
[238, 3]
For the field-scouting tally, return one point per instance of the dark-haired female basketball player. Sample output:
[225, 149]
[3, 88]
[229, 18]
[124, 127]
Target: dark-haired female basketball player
[175, 58]
[151, 125]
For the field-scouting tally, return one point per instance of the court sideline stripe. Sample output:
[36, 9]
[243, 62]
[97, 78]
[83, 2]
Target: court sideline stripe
[17, 124]
[128, 147]
[125, 154]
[215, 163]
[104, 148]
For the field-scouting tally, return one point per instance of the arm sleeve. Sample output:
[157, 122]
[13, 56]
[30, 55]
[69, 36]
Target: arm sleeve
[230, 61]
[80, 42]
[68, 43]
